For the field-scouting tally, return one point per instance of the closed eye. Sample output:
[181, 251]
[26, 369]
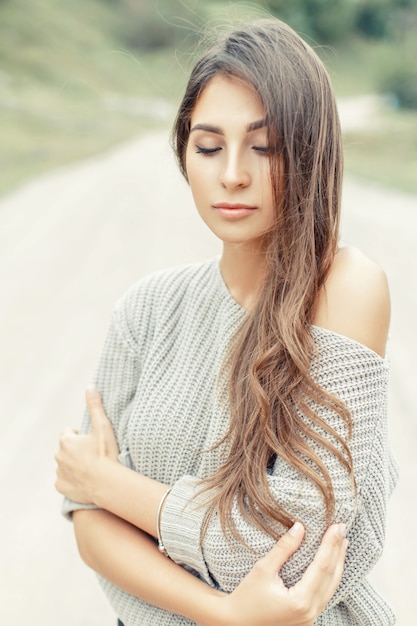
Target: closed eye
[206, 151]
[262, 149]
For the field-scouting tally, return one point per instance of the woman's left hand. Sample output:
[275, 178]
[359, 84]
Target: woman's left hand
[81, 457]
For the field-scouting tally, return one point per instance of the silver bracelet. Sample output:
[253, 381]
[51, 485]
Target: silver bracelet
[161, 546]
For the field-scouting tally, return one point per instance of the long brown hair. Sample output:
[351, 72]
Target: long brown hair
[271, 391]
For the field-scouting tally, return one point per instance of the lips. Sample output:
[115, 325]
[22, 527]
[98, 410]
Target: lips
[234, 211]
[233, 207]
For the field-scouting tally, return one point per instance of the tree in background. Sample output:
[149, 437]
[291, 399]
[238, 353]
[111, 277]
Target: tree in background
[396, 22]
[159, 24]
[156, 24]
[385, 18]
[335, 21]
[326, 21]
[330, 21]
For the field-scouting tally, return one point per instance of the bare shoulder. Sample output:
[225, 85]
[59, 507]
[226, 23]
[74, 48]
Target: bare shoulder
[355, 300]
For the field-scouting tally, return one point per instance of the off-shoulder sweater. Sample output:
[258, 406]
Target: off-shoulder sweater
[160, 379]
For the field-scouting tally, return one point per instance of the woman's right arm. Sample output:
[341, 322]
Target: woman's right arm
[131, 560]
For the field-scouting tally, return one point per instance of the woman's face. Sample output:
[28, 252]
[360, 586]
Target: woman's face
[227, 162]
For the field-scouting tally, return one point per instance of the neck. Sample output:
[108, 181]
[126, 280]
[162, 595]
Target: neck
[243, 269]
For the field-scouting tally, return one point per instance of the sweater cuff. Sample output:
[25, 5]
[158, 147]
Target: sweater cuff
[69, 506]
[181, 523]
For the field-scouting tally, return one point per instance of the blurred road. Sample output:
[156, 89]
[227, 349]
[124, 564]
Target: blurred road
[70, 244]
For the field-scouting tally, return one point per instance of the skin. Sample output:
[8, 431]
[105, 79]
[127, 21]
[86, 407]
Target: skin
[238, 173]
[354, 302]
[114, 539]
[227, 162]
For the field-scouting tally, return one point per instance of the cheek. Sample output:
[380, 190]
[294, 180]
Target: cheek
[276, 178]
[196, 184]
[189, 164]
[193, 175]
[198, 174]
[265, 182]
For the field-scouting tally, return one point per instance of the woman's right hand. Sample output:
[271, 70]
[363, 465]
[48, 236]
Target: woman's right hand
[262, 599]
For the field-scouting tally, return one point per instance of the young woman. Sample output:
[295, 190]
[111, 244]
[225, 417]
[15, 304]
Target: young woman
[246, 394]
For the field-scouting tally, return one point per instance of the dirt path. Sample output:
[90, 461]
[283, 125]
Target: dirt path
[70, 244]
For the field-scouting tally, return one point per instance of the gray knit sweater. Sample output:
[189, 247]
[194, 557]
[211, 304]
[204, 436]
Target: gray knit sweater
[159, 379]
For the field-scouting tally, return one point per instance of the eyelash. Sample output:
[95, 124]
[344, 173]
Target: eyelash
[262, 150]
[211, 151]
[206, 151]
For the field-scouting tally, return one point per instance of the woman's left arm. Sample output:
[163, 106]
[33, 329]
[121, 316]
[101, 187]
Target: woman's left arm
[350, 363]
[89, 472]
[350, 369]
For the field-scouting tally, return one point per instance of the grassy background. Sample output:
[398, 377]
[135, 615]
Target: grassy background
[70, 89]
[386, 152]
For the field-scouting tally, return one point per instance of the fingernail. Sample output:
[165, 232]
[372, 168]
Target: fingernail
[341, 530]
[91, 391]
[295, 529]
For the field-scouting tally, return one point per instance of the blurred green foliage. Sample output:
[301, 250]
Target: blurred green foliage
[153, 24]
[71, 86]
[385, 152]
[401, 84]
[76, 76]
[325, 21]
[330, 21]
[340, 21]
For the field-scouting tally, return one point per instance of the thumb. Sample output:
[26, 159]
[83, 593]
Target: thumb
[285, 547]
[95, 407]
[102, 428]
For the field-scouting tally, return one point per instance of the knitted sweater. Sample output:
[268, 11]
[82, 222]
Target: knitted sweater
[160, 384]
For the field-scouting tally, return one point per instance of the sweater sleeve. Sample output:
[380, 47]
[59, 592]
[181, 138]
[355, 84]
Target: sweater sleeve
[358, 377]
[118, 370]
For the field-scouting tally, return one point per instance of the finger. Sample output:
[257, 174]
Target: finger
[69, 431]
[102, 428]
[340, 566]
[95, 407]
[284, 548]
[332, 545]
[66, 437]
[324, 573]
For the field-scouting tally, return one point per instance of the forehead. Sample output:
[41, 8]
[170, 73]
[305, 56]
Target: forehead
[225, 100]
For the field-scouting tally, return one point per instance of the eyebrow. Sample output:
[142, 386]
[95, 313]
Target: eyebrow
[209, 128]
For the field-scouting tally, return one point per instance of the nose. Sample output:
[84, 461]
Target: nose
[235, 172]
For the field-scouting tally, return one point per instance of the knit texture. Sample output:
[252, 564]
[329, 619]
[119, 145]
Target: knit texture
[161, 383]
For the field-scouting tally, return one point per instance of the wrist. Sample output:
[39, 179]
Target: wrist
[218, 610]
[224, 610]
[127, 494]
[101, 478]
